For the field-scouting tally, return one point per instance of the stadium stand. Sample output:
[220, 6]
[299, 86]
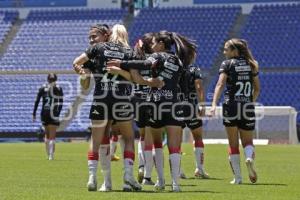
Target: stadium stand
[235, 1]
[280, 89]
[273, 33]
[7, 18]
[20, 93]
[51, 39]
[41, 3]
[208, 26]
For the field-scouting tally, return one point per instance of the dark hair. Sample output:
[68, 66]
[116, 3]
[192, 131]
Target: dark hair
[185, 48]
[143, 46]
[51, 78]
[101, 28]
[243, 50]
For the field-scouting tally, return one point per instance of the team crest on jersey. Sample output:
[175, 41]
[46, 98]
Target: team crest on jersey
[114, 54]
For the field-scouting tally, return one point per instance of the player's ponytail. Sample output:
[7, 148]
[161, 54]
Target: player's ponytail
[243, 50]
[185, 48]
[119, 35]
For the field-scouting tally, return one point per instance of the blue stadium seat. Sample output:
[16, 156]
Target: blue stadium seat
[20, 96]
[279, 48]
[209, 26]
[7, 18]
[50, 39]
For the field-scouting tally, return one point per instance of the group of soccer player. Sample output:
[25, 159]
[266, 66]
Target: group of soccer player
[162, 91]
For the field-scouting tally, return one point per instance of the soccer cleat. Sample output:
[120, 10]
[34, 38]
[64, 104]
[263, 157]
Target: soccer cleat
[92, 183]
[182, 175]
[251, 171]
[159, 185]
[236, 181]
[201, 174]
[127, 188]
[115, 158]
[176, 188]
[148, 181]
[51, 157]
[129, 180]
[140, 176]
[105, 188]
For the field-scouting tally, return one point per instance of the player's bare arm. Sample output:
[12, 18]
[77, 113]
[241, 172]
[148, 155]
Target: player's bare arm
[218, 91]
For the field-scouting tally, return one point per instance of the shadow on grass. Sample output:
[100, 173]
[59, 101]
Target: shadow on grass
[266, 184]
[165, 191]
[60, 160]
[209, 179]
[184, 185]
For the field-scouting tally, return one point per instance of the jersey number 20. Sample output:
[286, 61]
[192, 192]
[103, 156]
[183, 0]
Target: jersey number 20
[244, 89]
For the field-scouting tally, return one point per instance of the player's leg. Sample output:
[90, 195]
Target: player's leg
[46, 140]
[129, 155]
[158, 156]
[122, 144]
[105, 162]
[141, 156]
[174, 134]
[234, 153]
[246, 127]
[115, 132]
[181, 173]
[142, 119]
[52, 136]
[199, 152]
[249, 151]
[148, 155]
[98, 131]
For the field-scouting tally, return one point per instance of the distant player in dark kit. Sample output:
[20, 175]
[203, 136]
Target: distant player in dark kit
[240, 75]
[52, 96]
[193, 90]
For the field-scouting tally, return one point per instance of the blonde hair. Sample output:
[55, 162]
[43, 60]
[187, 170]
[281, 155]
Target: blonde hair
[119, 35]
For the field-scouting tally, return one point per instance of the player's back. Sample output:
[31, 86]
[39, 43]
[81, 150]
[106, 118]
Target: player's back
[239, 83]
[51, 96]
[169, 69]
[187, 82]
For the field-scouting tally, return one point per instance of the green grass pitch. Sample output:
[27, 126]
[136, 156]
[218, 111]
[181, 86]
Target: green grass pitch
[26, 174]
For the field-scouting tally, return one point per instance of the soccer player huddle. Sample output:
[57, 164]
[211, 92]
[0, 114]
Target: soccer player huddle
[156, 85]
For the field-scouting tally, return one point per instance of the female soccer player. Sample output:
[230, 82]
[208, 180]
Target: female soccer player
[110, 103]
[168, 68]
[240, 75]
[52, 96]
[141, 92]
[193, 90]
[99, 33]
